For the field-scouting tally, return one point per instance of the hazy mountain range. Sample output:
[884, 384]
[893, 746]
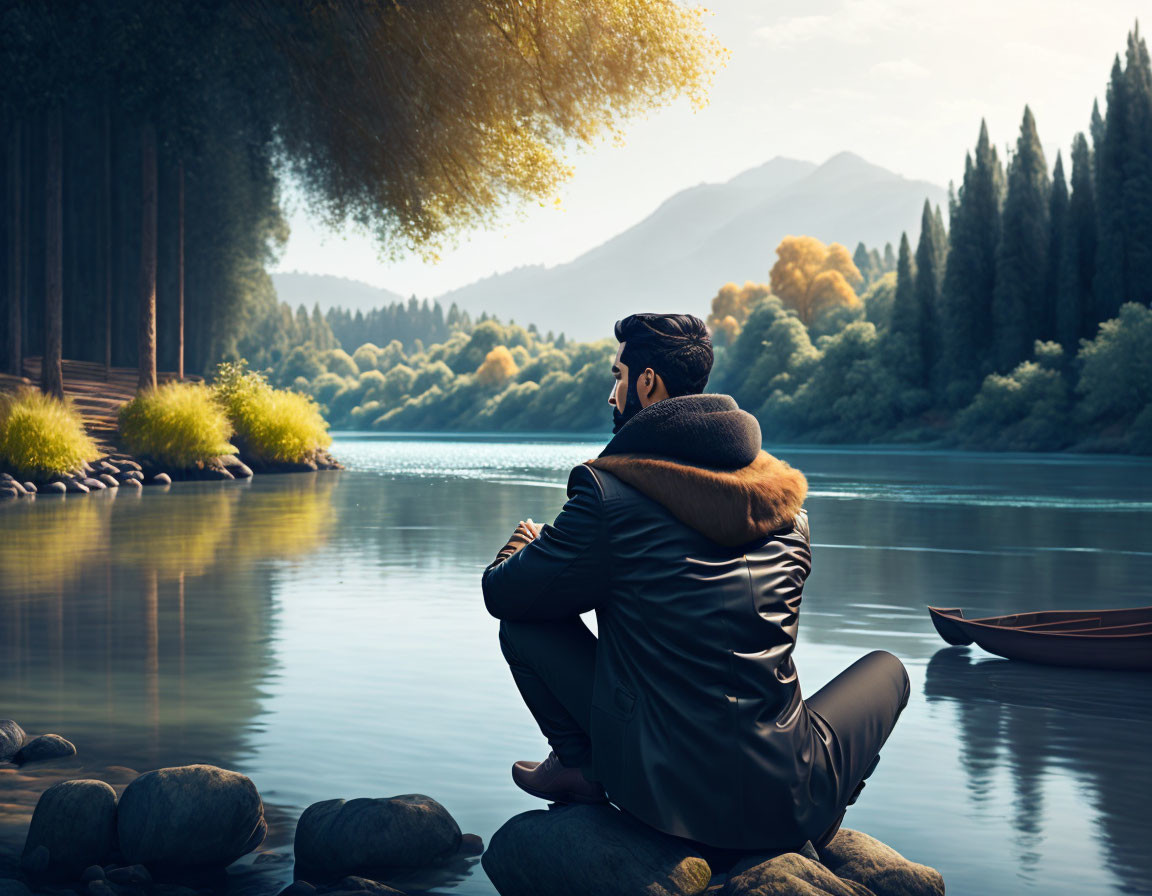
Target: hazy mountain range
[697, 240]
[328, 290]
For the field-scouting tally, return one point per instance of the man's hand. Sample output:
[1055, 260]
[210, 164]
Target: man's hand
[525, 532]
[528, 529]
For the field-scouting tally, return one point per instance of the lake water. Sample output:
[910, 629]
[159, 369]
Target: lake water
[326, 635]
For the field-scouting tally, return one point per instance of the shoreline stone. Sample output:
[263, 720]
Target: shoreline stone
[189, 816]
[75, 821]
[856, 856]
[46, 746]
[575, 850]
[336, 838]
[12, 738]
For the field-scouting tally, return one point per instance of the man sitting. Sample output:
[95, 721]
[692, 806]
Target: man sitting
[690, 543]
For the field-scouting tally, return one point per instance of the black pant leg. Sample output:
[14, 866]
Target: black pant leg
[859, 708]
[554, 665]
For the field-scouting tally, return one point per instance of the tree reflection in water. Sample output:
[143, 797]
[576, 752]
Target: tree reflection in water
[139, 625]
[1093, 725]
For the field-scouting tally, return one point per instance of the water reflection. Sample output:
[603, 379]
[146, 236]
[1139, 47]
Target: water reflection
[140, 626]
[1040, 721]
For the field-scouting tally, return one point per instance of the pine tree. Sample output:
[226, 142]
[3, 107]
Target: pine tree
[1108, 283]
[1078, 316]
[904, 328]
[1124, 184]
[889, 258]
[863, 262]
[1137, 187]
[970, 278]
[930, 260]
[1055, 312]
[1019, 309]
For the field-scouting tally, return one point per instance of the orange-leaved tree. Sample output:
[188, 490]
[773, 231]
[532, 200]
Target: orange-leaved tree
[498, 367]
[811, 278]
[731, 307]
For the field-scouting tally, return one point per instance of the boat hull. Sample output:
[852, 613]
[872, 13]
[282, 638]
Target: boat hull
[1126, 645]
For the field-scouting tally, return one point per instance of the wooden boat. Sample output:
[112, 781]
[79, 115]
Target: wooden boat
[1101, 639]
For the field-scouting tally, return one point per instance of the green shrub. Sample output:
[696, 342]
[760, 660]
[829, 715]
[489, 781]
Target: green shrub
[177, 424]
[339, 362]
[1025, 410]
[42, 436]
[271, 424]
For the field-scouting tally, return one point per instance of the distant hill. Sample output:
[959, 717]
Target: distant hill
[329, 290]
[700, 238]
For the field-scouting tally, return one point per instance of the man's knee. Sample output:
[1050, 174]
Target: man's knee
[889, 665]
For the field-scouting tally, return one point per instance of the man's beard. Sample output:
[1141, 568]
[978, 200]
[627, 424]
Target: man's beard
[631, 406]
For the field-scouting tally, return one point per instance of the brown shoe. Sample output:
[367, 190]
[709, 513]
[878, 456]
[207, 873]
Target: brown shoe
[556, 783]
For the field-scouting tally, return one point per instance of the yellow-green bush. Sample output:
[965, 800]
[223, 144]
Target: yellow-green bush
[272, 424]
[177, 424]
[41, 436]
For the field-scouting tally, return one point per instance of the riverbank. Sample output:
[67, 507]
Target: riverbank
[97, 394]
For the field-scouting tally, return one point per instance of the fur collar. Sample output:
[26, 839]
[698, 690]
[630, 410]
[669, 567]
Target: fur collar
[730, 506]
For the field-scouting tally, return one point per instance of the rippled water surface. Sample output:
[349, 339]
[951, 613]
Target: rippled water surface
[325, 634]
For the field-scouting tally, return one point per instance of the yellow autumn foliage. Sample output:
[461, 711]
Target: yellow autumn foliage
[730, 309]
[497, 368]
[810, 277]
[466, 106]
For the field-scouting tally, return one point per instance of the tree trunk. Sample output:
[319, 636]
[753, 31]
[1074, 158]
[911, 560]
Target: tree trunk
[51, 374]
[148, 188]
[107, 222]
[180, 269]
[15, 252]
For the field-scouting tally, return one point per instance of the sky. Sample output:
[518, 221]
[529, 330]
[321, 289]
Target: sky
[903, 83]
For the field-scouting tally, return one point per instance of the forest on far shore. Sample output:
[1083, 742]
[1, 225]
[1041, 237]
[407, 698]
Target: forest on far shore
[1022, 324]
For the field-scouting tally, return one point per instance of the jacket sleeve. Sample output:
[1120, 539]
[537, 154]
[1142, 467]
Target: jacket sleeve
[561, 572]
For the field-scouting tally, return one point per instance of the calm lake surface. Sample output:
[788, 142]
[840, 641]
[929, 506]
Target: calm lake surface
[326, 635]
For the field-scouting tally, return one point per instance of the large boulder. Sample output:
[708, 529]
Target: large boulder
[577, 850]
[791, 874]
[335, 838]
[189, 816]
[858, 857]
[11, 739]
[76, 822]
[46, 746]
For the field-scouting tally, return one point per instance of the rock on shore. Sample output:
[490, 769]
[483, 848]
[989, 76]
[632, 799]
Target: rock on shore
[46, 746]
[11, 739]
[190, 816]
[576, 850]
[75, 822]
[856, 856]
[335, 838]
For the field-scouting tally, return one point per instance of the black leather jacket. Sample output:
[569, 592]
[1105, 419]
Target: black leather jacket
[695, 573]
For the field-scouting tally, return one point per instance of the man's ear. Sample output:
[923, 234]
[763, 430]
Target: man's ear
[648, 382]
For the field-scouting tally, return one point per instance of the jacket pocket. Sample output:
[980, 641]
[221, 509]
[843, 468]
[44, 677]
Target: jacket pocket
[614, 700]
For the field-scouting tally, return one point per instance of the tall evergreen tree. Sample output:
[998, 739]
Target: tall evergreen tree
[860, 259]
[1108, 283]
[904, 328]
[970, 279]
[931, 254]
[889, 258]
[1124, 184]
[1057, 236]
[1020, 310]
[1137, 186]
[1077, 315]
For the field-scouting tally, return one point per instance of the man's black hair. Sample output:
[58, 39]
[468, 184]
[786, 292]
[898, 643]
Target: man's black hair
[678, 347]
